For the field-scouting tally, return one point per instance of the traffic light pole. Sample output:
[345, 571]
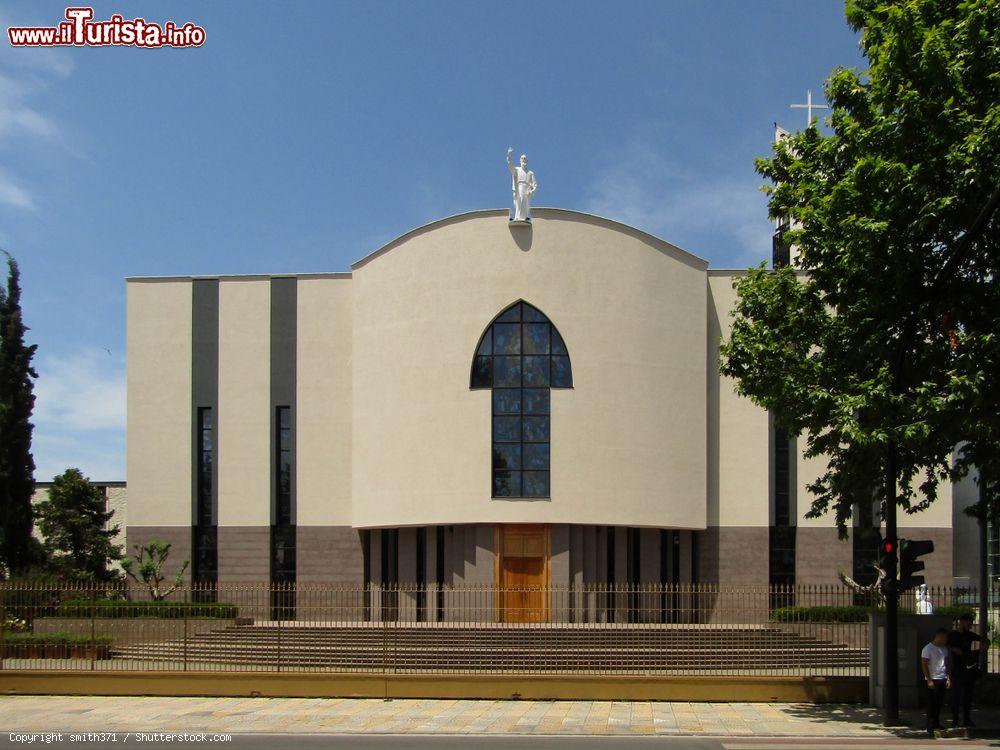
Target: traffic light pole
[891, 654]
[984, 580]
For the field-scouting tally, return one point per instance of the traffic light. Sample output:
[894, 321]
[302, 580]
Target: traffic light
[886, 551]
[909, 564]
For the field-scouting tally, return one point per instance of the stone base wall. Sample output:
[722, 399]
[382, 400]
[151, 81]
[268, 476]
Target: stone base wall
[734, 555]
[244, 554]
[244, 559]
[330, 562]
[330, 572]
[329, 554]
[819, 554]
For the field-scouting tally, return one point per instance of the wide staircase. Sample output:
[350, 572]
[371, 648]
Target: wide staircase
[536, 648]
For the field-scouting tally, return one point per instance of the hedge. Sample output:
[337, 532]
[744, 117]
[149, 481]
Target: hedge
[955, 610]
[847, 613]
[56, 639]
[852, 613]
[162, 609]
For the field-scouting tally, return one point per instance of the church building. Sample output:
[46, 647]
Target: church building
[479, 401]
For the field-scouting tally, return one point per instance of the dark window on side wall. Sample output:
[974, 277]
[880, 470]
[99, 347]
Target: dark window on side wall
[206, 468]
[204, 533]
[781, 535]
[283, 449]
[782, 495]
[205, 544]
[283, 533]
[283, 572]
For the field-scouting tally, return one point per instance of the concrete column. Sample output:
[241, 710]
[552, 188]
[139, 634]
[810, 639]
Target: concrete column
[482, 599]
[649, 555]
[375, 570]
[559, 561]
[559, 572]
[576, 575]
[469, 555]
[621, 573]
[407, 576]
[430, 557]
[649, 574]
[686, 546]
[591, 535]
[454, 545]
[483, 555]
[601, 596]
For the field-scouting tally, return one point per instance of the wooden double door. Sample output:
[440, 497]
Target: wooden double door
[523, 573]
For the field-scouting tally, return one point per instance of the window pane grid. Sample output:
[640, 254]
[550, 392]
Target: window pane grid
[521, 356]
[204, 542]
[283, 488]
[205, 466]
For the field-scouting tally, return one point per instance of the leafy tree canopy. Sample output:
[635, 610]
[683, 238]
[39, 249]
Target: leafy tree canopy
[77, 529]
[877, 210]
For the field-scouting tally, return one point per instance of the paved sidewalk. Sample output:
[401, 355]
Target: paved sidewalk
[345, 716]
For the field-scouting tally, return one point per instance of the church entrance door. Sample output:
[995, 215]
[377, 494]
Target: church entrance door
[524, 573]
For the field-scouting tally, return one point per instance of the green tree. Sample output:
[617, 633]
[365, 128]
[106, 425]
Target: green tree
[77, 530]
[17, 400]
[880, 341]
[146, 567]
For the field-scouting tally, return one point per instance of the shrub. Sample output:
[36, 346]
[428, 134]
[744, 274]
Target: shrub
[853, 613]
[33, 595]
[56, 639]
[56, 646]
[157, 609]
[15, 625]
[846, 613]
[146, 567]
[955, 610]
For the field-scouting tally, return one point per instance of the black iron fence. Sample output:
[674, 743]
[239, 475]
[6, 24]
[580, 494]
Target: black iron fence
[589, 629]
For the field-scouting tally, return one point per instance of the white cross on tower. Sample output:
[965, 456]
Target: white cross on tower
[809, 107]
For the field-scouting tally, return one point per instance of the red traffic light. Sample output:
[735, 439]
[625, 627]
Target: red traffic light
[888, 546]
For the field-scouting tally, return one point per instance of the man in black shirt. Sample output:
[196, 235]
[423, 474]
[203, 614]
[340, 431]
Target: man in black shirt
[965, 668]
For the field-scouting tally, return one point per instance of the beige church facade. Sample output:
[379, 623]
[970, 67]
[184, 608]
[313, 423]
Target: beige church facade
[475, 402]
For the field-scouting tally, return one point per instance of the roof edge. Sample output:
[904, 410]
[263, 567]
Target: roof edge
[96, 483]
[540, 212]
[659, 243]
[239, 277]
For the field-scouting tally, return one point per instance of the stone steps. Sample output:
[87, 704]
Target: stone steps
[524, 648]
[527, 642]
[430, 662]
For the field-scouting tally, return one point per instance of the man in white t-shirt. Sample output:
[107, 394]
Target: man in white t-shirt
[934, 663]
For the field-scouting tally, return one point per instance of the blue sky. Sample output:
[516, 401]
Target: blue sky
[302, 136]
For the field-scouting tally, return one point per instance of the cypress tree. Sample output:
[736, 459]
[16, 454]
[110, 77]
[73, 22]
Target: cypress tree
[17, 400]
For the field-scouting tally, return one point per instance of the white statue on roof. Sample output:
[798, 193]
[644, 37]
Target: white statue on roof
[924, 605]
[523, 185]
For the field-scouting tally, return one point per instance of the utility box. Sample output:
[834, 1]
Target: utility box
[915, 632]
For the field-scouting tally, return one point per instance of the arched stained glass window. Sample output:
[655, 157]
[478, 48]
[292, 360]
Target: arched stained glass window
[521, 356]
